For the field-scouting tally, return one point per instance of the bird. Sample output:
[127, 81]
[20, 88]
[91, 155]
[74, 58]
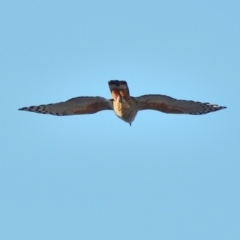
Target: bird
[124, 105]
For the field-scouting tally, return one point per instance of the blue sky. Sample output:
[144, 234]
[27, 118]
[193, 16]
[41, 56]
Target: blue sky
[94, 176]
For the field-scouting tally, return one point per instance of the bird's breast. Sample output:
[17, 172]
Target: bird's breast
[121, 108]
[125, 110]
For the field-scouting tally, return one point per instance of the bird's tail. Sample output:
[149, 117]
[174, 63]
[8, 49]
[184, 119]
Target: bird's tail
[119, 88]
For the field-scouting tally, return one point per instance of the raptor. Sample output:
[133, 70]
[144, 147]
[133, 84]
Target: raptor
[124, 105]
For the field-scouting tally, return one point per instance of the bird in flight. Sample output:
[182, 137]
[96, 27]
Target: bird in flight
[124, 105]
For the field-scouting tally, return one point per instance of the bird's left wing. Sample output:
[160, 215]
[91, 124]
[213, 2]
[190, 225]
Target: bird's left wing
[170, 105]
[73, 106]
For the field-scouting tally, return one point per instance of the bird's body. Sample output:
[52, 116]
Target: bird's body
[125, 106]
[126, 110]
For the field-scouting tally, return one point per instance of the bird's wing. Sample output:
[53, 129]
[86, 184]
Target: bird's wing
[170, 105]
[73, 106]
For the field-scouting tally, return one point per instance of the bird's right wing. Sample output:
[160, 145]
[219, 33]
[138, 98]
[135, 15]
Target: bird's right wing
[171, 105]
[73, 106]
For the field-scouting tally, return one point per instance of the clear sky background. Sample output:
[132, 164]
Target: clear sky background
[93, 176]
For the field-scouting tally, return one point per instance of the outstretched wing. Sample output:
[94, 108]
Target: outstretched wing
[73, 106]
[170, 105]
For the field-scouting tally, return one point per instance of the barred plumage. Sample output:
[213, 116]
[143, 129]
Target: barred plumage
[171, 105]
[73, 106]
[127, 110]
[124, 106]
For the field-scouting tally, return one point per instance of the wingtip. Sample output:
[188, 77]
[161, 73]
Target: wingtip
[23, 109]
[217, 107]
[222, 107]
